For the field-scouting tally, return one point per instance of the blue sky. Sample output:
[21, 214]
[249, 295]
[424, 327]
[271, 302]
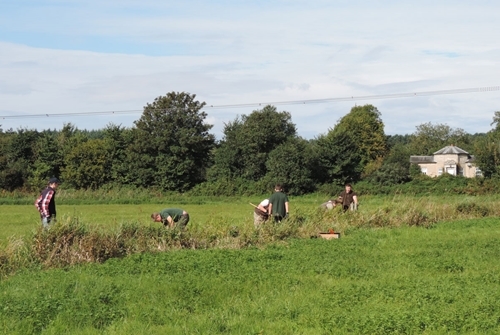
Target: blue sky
[60, 57]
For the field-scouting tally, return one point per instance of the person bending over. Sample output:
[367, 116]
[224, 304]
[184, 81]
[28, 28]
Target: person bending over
[260, 213]
[172, 217]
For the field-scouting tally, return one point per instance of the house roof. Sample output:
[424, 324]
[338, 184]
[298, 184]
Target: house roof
[451, 149]
[422, 159]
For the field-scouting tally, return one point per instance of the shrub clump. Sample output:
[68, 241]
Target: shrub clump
[73, 243]
[471, 208]
[418, 218]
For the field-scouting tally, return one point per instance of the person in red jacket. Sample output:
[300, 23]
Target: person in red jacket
[46, 203]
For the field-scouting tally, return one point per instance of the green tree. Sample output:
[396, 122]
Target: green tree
[393, 140]
[487, 149]
[291, 164]
[118, 139]
[416, 172]
[395, 168]
[391, 174]
[357, 143]
[18, 157]
[487, 154]
[248, 141]
[338, 158]
[87, 165]
[5, 171]
[429, 138]
[48, 159]
[496, 121]
[172, 144]
[364, 125]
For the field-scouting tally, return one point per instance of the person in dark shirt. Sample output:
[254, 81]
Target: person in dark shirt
[172, 217]
[46, 202]
[278, 204]
[348, 198]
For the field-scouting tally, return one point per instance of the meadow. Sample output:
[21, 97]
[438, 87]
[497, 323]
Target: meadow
[403, 265]
[107, 211]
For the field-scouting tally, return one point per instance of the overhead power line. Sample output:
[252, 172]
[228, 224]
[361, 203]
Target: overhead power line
[289, 102]
[365, 97]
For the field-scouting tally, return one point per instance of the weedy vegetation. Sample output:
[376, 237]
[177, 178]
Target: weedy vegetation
[402, 265]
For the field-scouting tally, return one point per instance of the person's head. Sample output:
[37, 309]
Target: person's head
[348, 187]
[156, 217]
[278, 188]
[54, 182]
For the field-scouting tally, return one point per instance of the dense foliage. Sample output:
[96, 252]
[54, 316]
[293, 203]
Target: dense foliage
[170, 148]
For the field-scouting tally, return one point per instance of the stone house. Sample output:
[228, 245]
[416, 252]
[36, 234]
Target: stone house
[450, 159]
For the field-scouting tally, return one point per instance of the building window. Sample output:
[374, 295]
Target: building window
[440, 172]
[460, 171]
[424, 170]
[479, 173]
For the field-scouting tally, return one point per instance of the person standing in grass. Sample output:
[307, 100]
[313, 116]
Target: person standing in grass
[172, 217]
[260, 213]
[46, 202]
[348, 198]
[278, 204]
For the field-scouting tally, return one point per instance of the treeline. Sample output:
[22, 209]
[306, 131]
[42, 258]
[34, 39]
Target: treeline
[170, 148]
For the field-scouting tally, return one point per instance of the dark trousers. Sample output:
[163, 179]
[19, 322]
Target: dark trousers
[277, 218]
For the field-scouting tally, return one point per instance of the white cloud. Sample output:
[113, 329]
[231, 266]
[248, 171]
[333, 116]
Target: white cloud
[101, 56]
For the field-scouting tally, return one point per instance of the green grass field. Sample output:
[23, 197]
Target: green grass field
[20, 220]
[399, 268]
[408, 280]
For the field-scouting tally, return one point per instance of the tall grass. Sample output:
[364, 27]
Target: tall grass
[71, 241]
[373, 281]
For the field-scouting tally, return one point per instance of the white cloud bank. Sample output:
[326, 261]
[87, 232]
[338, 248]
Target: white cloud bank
[87, 56]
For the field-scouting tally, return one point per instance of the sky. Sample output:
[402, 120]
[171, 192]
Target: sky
[61, 57]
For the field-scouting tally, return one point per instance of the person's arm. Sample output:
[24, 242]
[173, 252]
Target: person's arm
[270, 209]
[262, 208]
[340, 199]
[286, 210]
[37, 203]
[355, 199]
[170, 221]
[263, 211]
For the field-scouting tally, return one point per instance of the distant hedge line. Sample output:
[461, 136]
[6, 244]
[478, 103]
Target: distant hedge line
[208, 191]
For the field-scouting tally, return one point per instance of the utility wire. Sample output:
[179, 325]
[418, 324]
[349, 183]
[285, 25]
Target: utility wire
[290, 102]
[366, 97]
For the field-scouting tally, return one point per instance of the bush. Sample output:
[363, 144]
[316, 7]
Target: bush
[473, 209]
